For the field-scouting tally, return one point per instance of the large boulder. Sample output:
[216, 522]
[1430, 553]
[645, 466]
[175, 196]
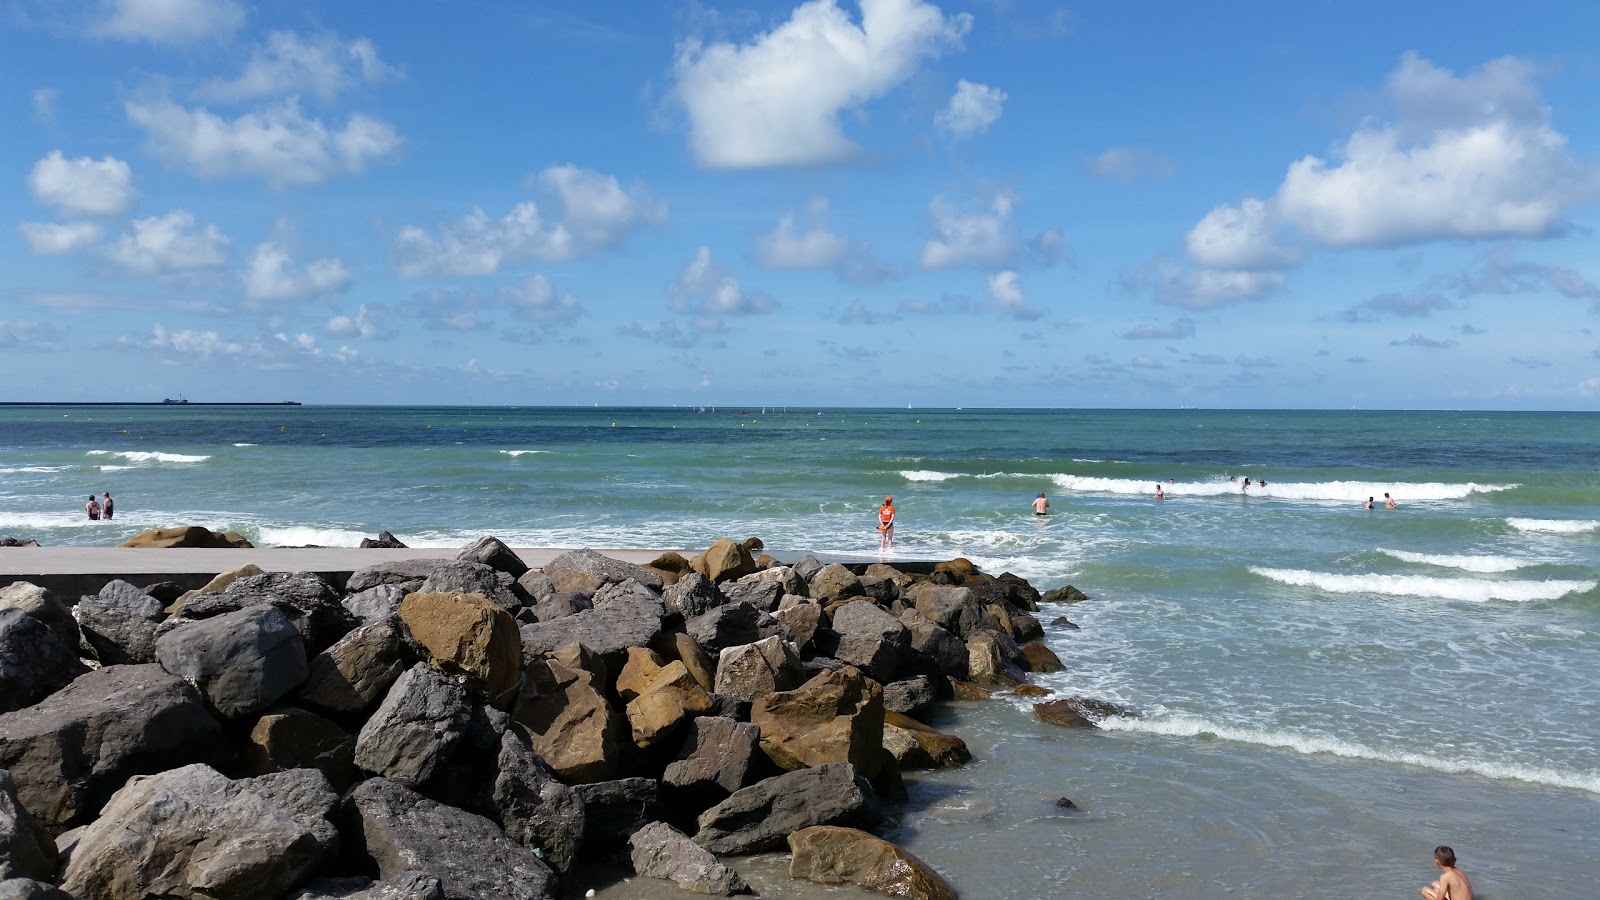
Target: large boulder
[724, 560]
[584, 571]
[761, 816]
[384, 541]
[286, 739]
[358, 669]
[834, 582]
[785, 577]
[715, 759]
[660, 851]
[35, 661]
[664, 702]
[493, 552]
[828, 854]
[220, 582]
[186, 536]
[70, 753]
[467, 634]
[1064, 594]
[118, 625]
[416, 727]
[670, 565]
[43, 605]
[693, 595]
[460, 576]
[565, 714]
[533, 807]
[725, 626]
[613, 810]
[406, 574]
[607, 630]
[304, 597]
[472, 857]
[917, 746]
[752, 671]
[955, 609]
[869, 639]
[803, 620]
[242, 661]
[28, 888]
[403, 886]
[992, 659]
[1040, 658]
[26, 848]
[623, 590]
[763, 595]
[909, 694]
[193, 832]
[933, 642]
[377, 602]
[835, 717]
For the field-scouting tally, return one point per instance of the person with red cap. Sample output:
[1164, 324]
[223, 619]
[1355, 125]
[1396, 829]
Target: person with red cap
[886, 524]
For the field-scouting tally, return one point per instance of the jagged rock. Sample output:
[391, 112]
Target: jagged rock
[880, 590]
[955, 609]
[761, 816]
[833, 855]
[763, 595]
[534, 808]
[987, 661]
[377, 602]
[285, 738]
[660, 851]
[693, 595]
[966, 690]
[724, 560]
[695, 658]
[34, 660]
[671, 696]
[837, 716]
[403, 886]
[883, 570]
[564, 712]
[27, 888]
[1040, 658]
[559, 605]
[642, 665]
[725, 626]
[186, 536]
[607, 630]
[752, 671]
[358, 669]
[26, 848]
[807, 568]
[1063, 622]
[493, 552]
[627, 589]
[406, 574]
[193, 832]
[589, 567]
[1025, 627]
[118, 625]
[462, 576]
[467, 634]
[1023, 594]
[1079, 712]
[1030, 690]
[472, 858]
[536, 584]
[304, 597]
[1064, 594]
[220, 582]
[43, 605]
[803, 621]
[241, 661]
[714, 761]
[670, 566]
[869, 639]
[917, 746]
[834, 582]
[18, 542]
[947, 651]
[785, 577]
[613, 810]
[909, 695]
[416, 727]
[384, 541]
[69, 753]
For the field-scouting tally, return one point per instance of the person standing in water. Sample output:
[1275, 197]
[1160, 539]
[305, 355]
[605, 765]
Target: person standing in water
[1160, 495]
[106, 505]
[1452, 883]
[1369, 503]
[886, 524]
[92, 508]
[1041, 506]
[1388, 502]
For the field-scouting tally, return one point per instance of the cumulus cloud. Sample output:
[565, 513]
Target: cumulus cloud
[1239, 237]
[322, 65]
[168, 21]
[1177, 329]
[367, 324]
[82, 186]
[53, 239]
[190, 342]
[170, 247]
[535, 299]
[1006, 295]
[1396, 306]
[270, 274]
[976, 233]
[277, 142]
[1128, 165]
[28, 334]
[596, 214]
[972, 109]
[705, 288]
[1501, 273]
[447, 310]
[776, 100]
[1173, 285]
[805, 240]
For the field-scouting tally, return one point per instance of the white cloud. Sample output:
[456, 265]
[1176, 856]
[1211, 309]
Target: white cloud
[169, 21]
[322, 65]
[818, 247]
[44, 105]
[1240, 237]
[278, 142]
[1205, 288]
[1006, 295]
[82, 186]
[536, 300]
[964, 236]
[971, 110]
[706, 288]
[597, 213]
[169, 247]
[52, 239]
[776, 100]
[1126, 165]
[28, 334]
[365, 324]
[270, 275]
[193, 343]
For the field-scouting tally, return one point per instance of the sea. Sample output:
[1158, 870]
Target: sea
[1319, 693]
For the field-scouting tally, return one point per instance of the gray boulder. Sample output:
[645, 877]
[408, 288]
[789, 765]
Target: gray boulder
[560, 605]
[26, 848]
[69, 753]
[241, 661]
[43, 605]
[304, 597]
[416, 727]
[606, 630]
[807, 568]
[466, 577]
[34, 661]
[725, 626]
[493, 552]
[28, 889]
[751, 671]
[627, 589]
[761, 816]
[869, 639]
[613, 810]
[356, 671]
[693, 595]
[714, 762]
[473, 859]
[955, 609]
[377, 602]
[403, 573]
[119, 624]
[576, 567]
[403, 886]
[536, 584]
[909, 694]
[763, 595]
[834, 582]
[535, 809]
[660, 851]
[193, 832]
[947, 651]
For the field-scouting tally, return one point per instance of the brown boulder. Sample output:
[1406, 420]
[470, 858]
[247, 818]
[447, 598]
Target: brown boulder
[835, 582]
[217, 584]
[1064, 713]
[837, 716]
[467, 634]
[803, 620]
[960, 568]
[724, 560]
[670, 566]
[917, 746]
[966, 690]
[286, 738]
[186, 536]
[1031, 690]
[1040, 658]
[567, 720]
[696, 659]
[752, 671]
[643, 664]
[829, 854]
[665, 702]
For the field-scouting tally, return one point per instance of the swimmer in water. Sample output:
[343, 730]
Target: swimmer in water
[1160, 495]
[1388, 501]
[1369, 503]
[1041, 506]
[1452, 883]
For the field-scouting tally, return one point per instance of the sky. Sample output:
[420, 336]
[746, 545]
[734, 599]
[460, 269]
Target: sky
[992, 203]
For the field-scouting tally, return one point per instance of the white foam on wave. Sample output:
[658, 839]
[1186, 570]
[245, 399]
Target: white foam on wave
[1344, 491]
[28, 470]
[1472, 590]
[21, 521]
[1554, 526]
[1486, 564]
[143, 456]
[514, 453]
[300, 535]
[245, 445]
[115, 468]
[927, 475]
[1194, 726]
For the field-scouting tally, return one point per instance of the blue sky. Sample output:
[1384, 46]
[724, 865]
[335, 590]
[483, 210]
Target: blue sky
[989, 203]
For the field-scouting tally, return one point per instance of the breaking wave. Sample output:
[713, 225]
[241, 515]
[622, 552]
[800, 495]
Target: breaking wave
[145, 456]
[1487, 564]
[1554, 526]
[1472, 590]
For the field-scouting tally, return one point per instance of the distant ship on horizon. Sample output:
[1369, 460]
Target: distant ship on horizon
[180, 399]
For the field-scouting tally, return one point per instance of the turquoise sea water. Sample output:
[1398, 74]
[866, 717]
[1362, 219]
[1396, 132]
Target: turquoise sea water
[1320, 687]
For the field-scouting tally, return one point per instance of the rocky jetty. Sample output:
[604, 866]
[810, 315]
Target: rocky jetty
[475, 728]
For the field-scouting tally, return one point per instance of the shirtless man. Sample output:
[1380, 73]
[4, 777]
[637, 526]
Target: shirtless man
[1160, 495]
[1452, 883]
[1041, 506]
[1388, 501]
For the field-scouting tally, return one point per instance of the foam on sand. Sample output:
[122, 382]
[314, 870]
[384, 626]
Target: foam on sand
[1487, 564]
[1554, 526]
[147, 456]
[1472, 590]
[1194, 726]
